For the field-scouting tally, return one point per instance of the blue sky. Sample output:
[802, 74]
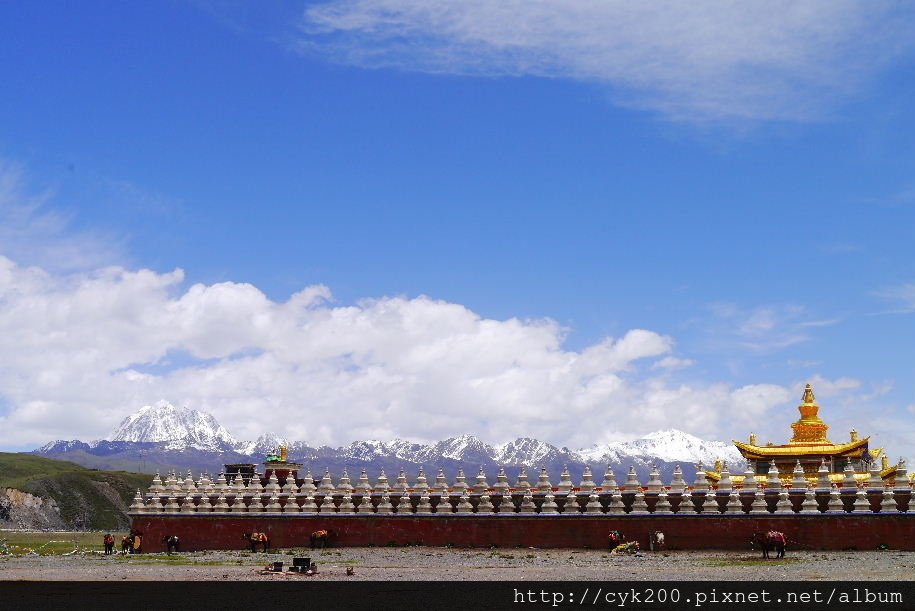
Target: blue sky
[743, 190]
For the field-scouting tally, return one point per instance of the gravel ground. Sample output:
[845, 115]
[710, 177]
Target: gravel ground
[428, 564]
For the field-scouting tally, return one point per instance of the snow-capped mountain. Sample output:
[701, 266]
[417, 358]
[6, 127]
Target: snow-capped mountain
[62, 445]
[179, 427]
[466, 448]
[669, 446]
[525, 450]
[268, 442]
[163, 436]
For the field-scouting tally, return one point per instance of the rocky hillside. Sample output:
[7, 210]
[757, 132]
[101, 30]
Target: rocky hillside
[37, 493]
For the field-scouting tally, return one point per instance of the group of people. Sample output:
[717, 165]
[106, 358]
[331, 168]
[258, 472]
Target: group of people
[131, 543]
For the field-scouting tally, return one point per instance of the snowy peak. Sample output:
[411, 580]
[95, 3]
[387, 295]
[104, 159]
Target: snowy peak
[179, 426]
[525, 451]
[464, 448]
[62, 445]
[266, 443]
[365, 451]
[668, 445]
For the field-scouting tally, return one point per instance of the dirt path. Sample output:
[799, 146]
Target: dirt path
[421, 563]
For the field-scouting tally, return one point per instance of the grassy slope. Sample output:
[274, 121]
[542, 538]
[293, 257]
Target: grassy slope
[82, 503]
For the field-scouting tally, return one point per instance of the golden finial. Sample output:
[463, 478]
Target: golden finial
[808, 395]
[283, 453]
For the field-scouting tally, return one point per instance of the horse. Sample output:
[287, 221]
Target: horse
[656, 540]
[770, 541]
[615, 538]
[108, 542]
[126, 544]
[321, 537]
[256, 539]
[171, 543]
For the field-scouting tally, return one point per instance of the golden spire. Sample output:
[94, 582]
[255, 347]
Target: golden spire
[808, 396]
[809, 428]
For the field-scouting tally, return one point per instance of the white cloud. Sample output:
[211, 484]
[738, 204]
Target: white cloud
[824, 387]
[83, 350]
[34, 233]
[902, 296]
[761, 329]
[672, 362]
[694, 61]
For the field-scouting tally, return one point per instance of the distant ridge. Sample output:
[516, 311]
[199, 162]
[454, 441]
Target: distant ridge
[163, 436]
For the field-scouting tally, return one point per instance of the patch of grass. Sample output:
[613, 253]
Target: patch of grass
[52, 543]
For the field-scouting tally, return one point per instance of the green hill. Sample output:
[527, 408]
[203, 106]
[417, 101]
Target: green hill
[88, 499]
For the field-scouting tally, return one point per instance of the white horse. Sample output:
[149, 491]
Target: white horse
[656, 540]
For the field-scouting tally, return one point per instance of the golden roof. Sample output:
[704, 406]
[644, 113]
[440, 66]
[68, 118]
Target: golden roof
[738, 480]
[853, 449]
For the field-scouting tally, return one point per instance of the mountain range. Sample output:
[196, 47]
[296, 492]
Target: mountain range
[163, 437]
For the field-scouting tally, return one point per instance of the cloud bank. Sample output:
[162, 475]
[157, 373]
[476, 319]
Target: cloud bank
[83, 350]
[689, 61]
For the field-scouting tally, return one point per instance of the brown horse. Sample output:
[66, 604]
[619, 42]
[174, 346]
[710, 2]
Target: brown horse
[321, 537]
[256, 539]
[772, 540]
[108, 542]
[126, 544]
[171, 543]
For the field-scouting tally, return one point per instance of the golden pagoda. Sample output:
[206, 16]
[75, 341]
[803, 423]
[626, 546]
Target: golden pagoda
[810, 447]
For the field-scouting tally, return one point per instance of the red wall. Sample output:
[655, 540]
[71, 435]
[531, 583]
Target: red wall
[836, 532]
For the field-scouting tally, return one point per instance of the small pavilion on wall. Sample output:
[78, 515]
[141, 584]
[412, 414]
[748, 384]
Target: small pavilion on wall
[279, 464]
[810, 447]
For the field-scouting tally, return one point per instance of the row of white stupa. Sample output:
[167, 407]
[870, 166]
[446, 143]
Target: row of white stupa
[707, 503]
[174, 485]
[254, 497]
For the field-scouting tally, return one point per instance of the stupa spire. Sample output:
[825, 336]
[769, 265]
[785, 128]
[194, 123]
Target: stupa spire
[809, 428]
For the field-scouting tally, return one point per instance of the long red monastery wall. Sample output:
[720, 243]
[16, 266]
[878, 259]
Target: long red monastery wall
[827, 532]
